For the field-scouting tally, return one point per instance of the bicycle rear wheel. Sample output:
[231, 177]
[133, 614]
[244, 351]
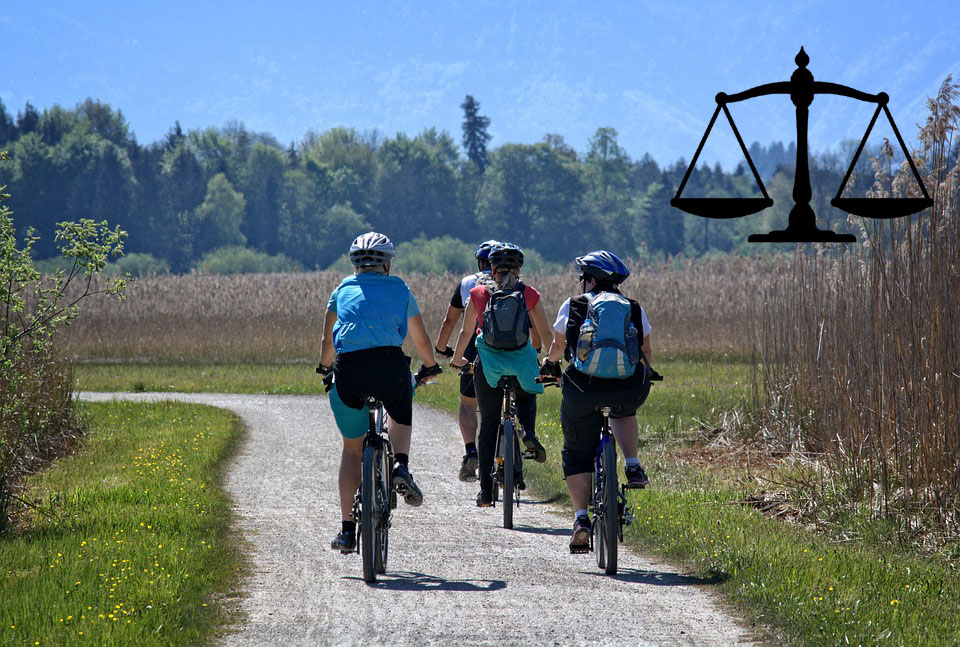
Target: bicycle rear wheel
[509, 443]
[611, 519]
[384, 487]
[599, 546]
[368, 516]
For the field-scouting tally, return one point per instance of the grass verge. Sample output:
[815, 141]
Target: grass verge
[809, 589]
[129, 541]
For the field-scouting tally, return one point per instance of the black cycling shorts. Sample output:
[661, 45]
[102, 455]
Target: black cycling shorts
[581, 422]
[466, 379]
[466, 385]
[382, 373]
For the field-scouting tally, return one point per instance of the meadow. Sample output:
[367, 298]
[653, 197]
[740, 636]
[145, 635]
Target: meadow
[740, 497]
[130, 540]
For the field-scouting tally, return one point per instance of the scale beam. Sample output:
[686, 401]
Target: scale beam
[802, 227]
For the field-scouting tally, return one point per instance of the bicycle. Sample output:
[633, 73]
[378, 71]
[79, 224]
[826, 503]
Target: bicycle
[377, 495]
[611, 514]
[609, 502]
[508, 462]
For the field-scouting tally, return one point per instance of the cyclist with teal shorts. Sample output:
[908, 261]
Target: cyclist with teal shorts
[499, 315]
[467, 416]
[368, 316]
[600, 333]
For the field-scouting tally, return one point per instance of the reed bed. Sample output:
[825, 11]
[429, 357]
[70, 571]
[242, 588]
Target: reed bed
[695, 307]
[862, 351]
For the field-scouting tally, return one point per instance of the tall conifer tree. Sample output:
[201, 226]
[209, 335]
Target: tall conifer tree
[475, 135]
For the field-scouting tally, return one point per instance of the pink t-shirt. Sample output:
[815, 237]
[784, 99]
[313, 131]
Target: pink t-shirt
[480, 295]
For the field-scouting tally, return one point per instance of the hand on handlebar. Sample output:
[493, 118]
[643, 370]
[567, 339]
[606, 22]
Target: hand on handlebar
[426, 372]
[462, 369]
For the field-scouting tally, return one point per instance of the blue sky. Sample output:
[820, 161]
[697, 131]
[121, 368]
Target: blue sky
[649, 69]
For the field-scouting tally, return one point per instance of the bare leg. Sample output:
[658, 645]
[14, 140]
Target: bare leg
[578, 485]
[467, 418]
[625, 431]
[399, 436]
[349, 477]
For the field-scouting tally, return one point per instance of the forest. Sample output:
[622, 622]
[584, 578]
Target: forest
[227, 199]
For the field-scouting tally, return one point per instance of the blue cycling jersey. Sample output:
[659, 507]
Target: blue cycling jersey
[372, 310]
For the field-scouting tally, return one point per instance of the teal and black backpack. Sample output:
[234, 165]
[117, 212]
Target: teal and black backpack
[608, 345]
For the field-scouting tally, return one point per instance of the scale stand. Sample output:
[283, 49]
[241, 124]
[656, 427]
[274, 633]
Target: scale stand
[802, 225]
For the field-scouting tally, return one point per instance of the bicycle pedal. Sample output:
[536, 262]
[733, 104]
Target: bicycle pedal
[579, 550]
[530, 454]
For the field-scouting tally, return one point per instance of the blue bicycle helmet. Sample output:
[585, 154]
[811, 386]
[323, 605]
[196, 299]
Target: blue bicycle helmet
[506, 255]
[483, 250]
[603, 266]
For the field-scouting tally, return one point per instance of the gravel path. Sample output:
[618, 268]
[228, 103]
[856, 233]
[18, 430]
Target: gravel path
[455, 576]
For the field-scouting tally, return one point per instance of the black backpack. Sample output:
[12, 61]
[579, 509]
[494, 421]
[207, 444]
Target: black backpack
[506, 323]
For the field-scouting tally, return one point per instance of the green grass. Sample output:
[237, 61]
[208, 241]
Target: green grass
[274, 379]
[811, 591]
[134, 545]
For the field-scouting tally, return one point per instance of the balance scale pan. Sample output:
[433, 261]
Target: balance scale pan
[881, 207]
[721, 207]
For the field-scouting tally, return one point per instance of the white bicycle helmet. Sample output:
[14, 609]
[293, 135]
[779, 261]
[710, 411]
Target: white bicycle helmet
[371, 248]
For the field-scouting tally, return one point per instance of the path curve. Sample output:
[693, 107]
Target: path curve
[455, 576]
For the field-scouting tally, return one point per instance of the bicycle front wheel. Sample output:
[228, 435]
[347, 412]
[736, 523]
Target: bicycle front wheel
[611, 509]
[368, 516]
[509, 443]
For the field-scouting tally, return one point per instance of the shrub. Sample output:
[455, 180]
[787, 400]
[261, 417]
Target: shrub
[36, 407]
[435, 256]
[241, 260]
[137, 265]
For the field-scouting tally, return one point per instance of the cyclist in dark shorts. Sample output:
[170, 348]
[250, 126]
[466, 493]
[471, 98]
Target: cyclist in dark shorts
[368, 316]
[600, 271]
[492, 363]
[467, 417]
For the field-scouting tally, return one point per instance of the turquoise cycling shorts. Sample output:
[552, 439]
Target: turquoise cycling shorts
[351, 422]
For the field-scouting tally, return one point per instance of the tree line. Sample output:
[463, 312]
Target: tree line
[194, 195]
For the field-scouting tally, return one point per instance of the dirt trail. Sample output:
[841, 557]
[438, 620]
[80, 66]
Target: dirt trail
[455, 576]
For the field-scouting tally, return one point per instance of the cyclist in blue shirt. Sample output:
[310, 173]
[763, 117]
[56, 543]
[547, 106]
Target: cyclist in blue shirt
[368, 316]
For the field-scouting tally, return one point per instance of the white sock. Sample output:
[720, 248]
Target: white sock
[631, 462]
[580, 513]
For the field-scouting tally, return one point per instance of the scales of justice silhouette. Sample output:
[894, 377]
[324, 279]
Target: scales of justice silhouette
[802, 225]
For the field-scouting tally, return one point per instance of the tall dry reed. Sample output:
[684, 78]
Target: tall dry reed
[862, 350]
[695, 307]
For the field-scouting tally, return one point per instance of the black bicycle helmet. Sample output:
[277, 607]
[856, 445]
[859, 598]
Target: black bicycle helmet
[603, 266]
[506, 255]
[371, 249]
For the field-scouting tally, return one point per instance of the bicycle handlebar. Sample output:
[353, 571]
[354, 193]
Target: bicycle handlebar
[549, 380]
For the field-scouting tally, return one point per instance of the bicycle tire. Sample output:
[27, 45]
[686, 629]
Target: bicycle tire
[384, 486]
[611, 508]
[598, 517]
[368, 519]
[509, 477]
